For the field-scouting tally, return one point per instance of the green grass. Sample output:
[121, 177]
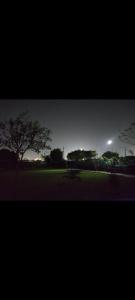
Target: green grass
[53, 185]
[93, 176]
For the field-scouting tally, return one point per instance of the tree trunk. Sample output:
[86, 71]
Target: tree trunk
[21, 157]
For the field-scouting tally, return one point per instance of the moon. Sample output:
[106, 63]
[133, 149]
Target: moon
[109, 142]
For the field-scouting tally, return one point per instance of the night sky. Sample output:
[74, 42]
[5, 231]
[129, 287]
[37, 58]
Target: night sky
[76, 124]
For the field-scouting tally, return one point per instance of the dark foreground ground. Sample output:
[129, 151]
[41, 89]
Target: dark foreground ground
[55, 185]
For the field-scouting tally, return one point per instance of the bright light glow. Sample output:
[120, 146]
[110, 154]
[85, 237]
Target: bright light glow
[109, 142]
[37, 158]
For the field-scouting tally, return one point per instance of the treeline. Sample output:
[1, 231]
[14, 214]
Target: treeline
[109, 161]
[87, 160]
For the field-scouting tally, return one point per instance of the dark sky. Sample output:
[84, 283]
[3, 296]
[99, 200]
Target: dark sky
[86, 124]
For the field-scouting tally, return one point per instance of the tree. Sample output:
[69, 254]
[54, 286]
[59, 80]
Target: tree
[47, 159]
[56, 155]
[75, 155]
[111, 158]
[110, 154]
[131, 152]
[21, 134]
[128, 135]
[79, 155]
[89, 154]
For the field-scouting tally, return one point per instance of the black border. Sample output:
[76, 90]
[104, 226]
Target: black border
[85, 77]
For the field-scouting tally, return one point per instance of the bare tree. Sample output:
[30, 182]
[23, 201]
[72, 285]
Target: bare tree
[131, 152]
[128, 135]
[22, 134]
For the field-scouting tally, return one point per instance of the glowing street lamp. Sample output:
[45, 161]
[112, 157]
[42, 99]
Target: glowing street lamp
[109, 142]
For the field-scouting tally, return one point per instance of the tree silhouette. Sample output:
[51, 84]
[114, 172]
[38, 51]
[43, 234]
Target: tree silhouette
[79, 155]
[89, 154]
[111, 158]
[75, 155]
[128, 135]
[110, 155]
[21, 134]
[131, 152]
[56, 155]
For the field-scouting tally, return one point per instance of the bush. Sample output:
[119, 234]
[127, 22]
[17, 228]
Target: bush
[8, 159]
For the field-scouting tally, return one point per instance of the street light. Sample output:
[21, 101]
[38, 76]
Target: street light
[109, 142]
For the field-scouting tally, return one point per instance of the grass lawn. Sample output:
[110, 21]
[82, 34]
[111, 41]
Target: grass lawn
[54, 185]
